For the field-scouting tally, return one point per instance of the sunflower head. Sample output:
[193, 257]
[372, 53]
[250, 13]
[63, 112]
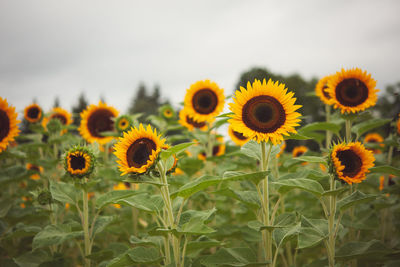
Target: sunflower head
[264, 111]
[123, 123]
[62, 115]
[33, 113]
[299, 151]
[374, 138]
[350, 162]
[204, 100]
[352, 90]
[95, 120]
[167, 112]
[190, 123]
[36, 169]
[8, 124]
[321, 90]
[79, 161]
[138, 149]
[238, 138]
[218, 149]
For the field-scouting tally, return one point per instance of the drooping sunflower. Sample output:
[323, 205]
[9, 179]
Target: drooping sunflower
[79, 161]
[204, 100]
[374, 138]
[167, 112]
[8, 124]
[265, 111]
[238, 138]
[138, 149]
[351, 162]
[123, 123]
[96, 120]
[352, 90]
[218, 149]
[36, 168]
[190, 123]
[33, 113]
[321, 90]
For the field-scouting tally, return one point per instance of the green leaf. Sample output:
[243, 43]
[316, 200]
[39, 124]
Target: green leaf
[247, 197]
[32, 258]
[282, 235]
[4, 208]
[312, 232]
[66, 193]
[203, 242]
[174, 150]
[354, 199]
[251, 149]
[226, 115]
[190, 165]
[312, 159]
[297, 136]
[55, 235]
[373, 249]
[144, 201]
[137, 255]
[206, 181]
[237, 257]
[335, 192]
[193, 222]
[146, 241]
[113, 197]
[305, 184]
[368, 125]
[101, 223]
[385, 169]
[102, 255]
[320, 126]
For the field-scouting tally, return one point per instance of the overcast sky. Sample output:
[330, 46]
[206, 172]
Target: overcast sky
[106, 48]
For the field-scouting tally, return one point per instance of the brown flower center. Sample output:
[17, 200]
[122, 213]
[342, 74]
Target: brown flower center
[195, 123]
[325, 91]
[263, 114]
[34, 168]
[127, 185]
[351, 92]
[4, 124]
[216, 150]
[77, 162]
[299, 153]
[205, 101]
[372, 140]
[100, 121]
[351, 161]
[139, 152]
[33, 112]
[60, 117]
[239, 136]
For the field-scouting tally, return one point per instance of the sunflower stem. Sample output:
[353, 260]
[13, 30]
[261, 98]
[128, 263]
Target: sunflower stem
[348, 130]
[267, 237]
[85, 226]
[331, 224]
[170, 214]
[328, 118]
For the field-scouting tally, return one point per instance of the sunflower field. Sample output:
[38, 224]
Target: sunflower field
[199, 187]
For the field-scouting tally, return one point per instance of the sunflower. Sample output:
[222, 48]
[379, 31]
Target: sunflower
[33, 113]
[79, 161]
[122, 123]
[63, 116]
[218, 149]
[321, 89]
[238, 138]
[187, 121]
[376, 138]
[95, 120]
[351, 162]
[283, 147]
[8, 124]
[37, 169]
[167, 112]
[299, 150]
[138, 149]
[352, 90]
[265, 111]
[204, 100]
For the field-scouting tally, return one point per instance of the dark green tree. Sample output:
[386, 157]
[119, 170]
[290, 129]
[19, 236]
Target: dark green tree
[78, 108]
[145, 103]
[388, 104]
[56, 102]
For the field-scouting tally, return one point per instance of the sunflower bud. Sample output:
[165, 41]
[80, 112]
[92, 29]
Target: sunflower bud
[167, 112]
[123, 123]
[45, 197]
[54, 126]
[79, 161]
